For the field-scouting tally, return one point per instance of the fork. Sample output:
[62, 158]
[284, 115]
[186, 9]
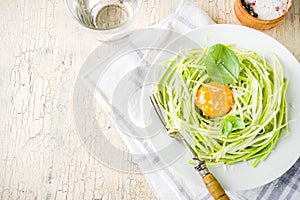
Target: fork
[211, 183]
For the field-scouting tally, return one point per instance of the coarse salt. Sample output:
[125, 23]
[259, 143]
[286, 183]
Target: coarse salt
[269, 9]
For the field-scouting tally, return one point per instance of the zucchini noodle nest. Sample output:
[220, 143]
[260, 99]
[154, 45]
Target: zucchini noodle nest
[260, 103]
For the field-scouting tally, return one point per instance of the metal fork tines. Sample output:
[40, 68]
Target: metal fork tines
[175, 134]
[159, 112]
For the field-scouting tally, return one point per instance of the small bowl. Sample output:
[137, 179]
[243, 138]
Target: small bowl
[248, 20]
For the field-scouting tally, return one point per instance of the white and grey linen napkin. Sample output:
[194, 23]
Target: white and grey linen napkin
[123, 73]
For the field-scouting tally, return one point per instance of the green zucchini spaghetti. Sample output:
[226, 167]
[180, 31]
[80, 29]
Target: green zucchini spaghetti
[252, 127]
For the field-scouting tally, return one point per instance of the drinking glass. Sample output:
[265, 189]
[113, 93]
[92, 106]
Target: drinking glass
[108, 20]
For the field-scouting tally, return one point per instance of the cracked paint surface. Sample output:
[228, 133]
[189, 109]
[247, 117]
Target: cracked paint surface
[42, 49]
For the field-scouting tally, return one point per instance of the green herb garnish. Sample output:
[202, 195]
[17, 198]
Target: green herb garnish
[231, 123]
[222, 65]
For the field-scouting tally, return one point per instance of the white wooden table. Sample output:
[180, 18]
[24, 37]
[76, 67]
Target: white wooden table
[42, 50]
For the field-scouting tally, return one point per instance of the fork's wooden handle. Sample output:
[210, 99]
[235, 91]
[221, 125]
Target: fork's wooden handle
[214, 187]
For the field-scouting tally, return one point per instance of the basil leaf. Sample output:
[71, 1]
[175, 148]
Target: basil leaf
[222, 65]
[230, 124]
[226, 129]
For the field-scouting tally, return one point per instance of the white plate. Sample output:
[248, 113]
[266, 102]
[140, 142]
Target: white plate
[241, 176]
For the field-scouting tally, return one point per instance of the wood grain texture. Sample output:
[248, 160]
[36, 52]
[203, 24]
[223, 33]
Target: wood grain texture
[42, 50]
[214, 187]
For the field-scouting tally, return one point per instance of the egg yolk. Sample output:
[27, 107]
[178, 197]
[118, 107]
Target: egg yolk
[214, 99]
